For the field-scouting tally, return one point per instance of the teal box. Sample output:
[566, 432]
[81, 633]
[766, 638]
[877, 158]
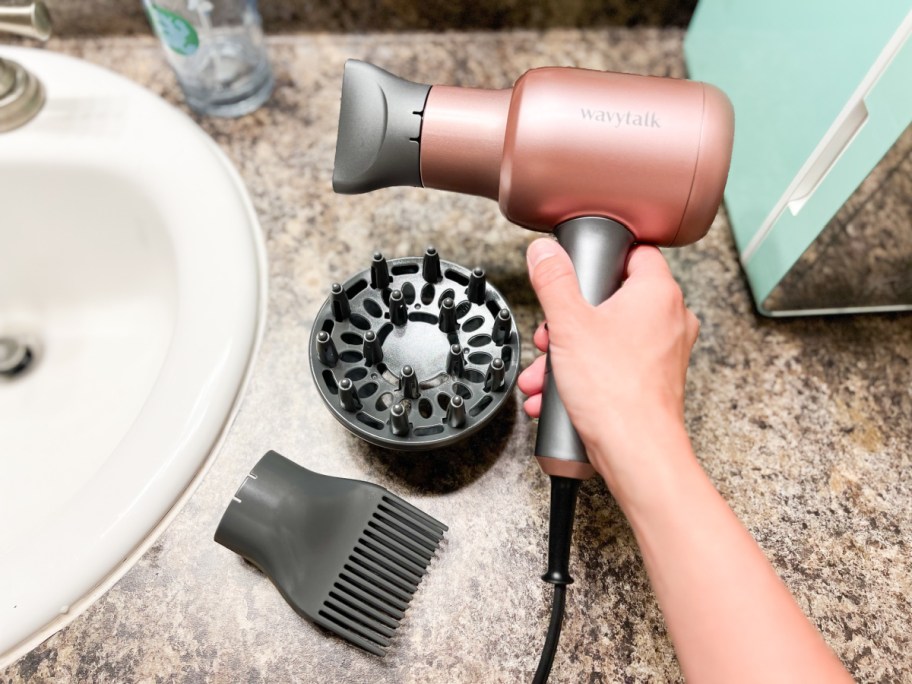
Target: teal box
[820, 190]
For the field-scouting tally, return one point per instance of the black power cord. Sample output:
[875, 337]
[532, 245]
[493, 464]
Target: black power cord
[554, 630]
[564, 491]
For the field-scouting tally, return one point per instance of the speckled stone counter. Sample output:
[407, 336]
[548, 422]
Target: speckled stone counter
[117, 17]
[804, 425]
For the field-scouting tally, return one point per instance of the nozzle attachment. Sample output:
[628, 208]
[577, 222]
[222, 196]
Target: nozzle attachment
[379, 130]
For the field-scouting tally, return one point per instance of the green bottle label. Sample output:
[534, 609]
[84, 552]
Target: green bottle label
[175, 31]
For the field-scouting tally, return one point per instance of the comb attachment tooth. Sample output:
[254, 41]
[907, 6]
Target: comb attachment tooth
[414, 537]
[395, 552]
[378, 598]
[385, 611]
[421, 555]
[401, 575]
[384, 559]
[329, 623]
[344, 625]
[372, 571]
[413, 512]
[354, 611]
[419, 526]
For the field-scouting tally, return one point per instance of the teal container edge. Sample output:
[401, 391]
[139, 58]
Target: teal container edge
[792, 234]
[771, 59]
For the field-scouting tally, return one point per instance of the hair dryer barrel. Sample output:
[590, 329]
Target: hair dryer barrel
[650, 153]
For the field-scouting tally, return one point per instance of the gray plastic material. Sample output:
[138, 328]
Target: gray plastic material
[598, 248]
[379, 130]
[346, 555]
[396, 348]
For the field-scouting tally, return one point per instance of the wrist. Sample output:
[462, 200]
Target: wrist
[643, 459]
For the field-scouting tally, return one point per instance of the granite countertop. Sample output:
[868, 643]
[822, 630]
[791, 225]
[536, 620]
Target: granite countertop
[804, 425]
[107, 17]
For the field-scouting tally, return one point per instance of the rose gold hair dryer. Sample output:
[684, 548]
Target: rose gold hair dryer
[602, 159]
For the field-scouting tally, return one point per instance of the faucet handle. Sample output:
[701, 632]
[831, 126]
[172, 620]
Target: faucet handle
[32, 20]
[21, 95]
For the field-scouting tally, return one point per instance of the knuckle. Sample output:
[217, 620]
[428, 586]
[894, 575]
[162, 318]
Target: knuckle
[671, 294]
[693, 326]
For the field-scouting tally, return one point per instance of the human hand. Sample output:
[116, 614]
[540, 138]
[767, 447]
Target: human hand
[619, 366]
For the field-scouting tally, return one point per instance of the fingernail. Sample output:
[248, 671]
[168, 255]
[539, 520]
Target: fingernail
[540, 250]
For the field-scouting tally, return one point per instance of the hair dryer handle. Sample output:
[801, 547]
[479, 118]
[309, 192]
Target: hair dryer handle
[598, 248]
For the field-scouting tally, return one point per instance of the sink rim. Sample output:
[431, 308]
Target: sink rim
[46, 64]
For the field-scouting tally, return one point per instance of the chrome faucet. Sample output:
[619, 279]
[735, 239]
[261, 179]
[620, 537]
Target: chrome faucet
[21, 94]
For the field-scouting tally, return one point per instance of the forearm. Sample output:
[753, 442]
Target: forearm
[729, 615]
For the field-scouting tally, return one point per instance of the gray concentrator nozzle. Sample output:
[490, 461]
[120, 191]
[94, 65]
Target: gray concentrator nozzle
[379, 130]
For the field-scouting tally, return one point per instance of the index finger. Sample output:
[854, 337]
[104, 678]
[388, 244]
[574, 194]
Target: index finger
[646, 260]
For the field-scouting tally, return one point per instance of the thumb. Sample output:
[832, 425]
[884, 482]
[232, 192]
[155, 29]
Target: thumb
[554, 281]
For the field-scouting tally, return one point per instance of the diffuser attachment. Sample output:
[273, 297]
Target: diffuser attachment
[414, 353]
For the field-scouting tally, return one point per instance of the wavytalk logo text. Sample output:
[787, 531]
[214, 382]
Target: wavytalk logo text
[618, 119]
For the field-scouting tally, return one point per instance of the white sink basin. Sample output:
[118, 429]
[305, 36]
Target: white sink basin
[132, 262]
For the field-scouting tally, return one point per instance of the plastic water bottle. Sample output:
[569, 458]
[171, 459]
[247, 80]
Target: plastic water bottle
[217, 51]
